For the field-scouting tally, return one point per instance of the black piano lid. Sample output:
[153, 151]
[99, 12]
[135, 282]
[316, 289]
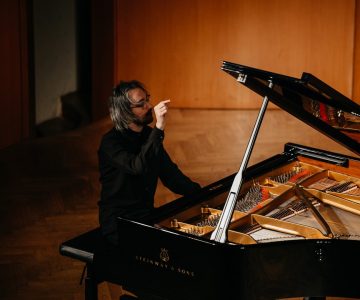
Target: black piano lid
[308, 99]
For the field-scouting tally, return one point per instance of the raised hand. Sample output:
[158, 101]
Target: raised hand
[161, 110]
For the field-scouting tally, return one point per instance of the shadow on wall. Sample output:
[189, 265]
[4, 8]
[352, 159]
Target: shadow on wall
[75, 113]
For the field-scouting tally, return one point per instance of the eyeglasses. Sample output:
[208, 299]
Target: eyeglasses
[141, 103]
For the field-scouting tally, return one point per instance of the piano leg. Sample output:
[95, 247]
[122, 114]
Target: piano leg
[91, 287]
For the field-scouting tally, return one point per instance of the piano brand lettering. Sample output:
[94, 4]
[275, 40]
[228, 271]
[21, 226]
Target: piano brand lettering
[164, 256]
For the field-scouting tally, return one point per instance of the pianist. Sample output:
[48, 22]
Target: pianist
[132, 158]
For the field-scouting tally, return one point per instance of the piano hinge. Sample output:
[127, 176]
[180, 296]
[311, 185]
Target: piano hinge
[241, 78]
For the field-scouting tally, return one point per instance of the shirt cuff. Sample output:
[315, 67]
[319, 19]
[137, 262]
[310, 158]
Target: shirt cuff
[158, 133]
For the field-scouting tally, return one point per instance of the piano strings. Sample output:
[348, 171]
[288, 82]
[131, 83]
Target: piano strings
[269, 189]
[295, 175]
[292, 208]
[330, 185]
[252, 198]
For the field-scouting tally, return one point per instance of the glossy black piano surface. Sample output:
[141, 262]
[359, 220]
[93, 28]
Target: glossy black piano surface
[295, 230]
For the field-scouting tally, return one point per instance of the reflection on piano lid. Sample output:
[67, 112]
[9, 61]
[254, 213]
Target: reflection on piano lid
[294, 227]
[309, 99]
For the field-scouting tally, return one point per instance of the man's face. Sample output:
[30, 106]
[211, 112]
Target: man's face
[141, 107]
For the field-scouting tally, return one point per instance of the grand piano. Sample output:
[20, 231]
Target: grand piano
[288, 226]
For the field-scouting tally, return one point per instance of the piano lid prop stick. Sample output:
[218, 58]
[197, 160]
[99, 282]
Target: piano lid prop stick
[220, 232]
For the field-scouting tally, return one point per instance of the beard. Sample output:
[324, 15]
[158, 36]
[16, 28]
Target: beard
[145, 120]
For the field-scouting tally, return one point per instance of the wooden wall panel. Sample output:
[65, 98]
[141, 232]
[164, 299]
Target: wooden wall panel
[356, 79]
[102, 53]
[14, 87]
[176, 47]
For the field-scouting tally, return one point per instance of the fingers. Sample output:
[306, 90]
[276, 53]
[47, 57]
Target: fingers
[164, 103]
[160, 111]
[162, 107]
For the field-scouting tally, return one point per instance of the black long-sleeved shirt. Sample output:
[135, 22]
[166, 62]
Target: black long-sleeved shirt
[130, 164]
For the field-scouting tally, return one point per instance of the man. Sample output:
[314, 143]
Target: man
[132, 158]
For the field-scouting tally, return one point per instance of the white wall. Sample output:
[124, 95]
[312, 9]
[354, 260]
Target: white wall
[55, 55]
